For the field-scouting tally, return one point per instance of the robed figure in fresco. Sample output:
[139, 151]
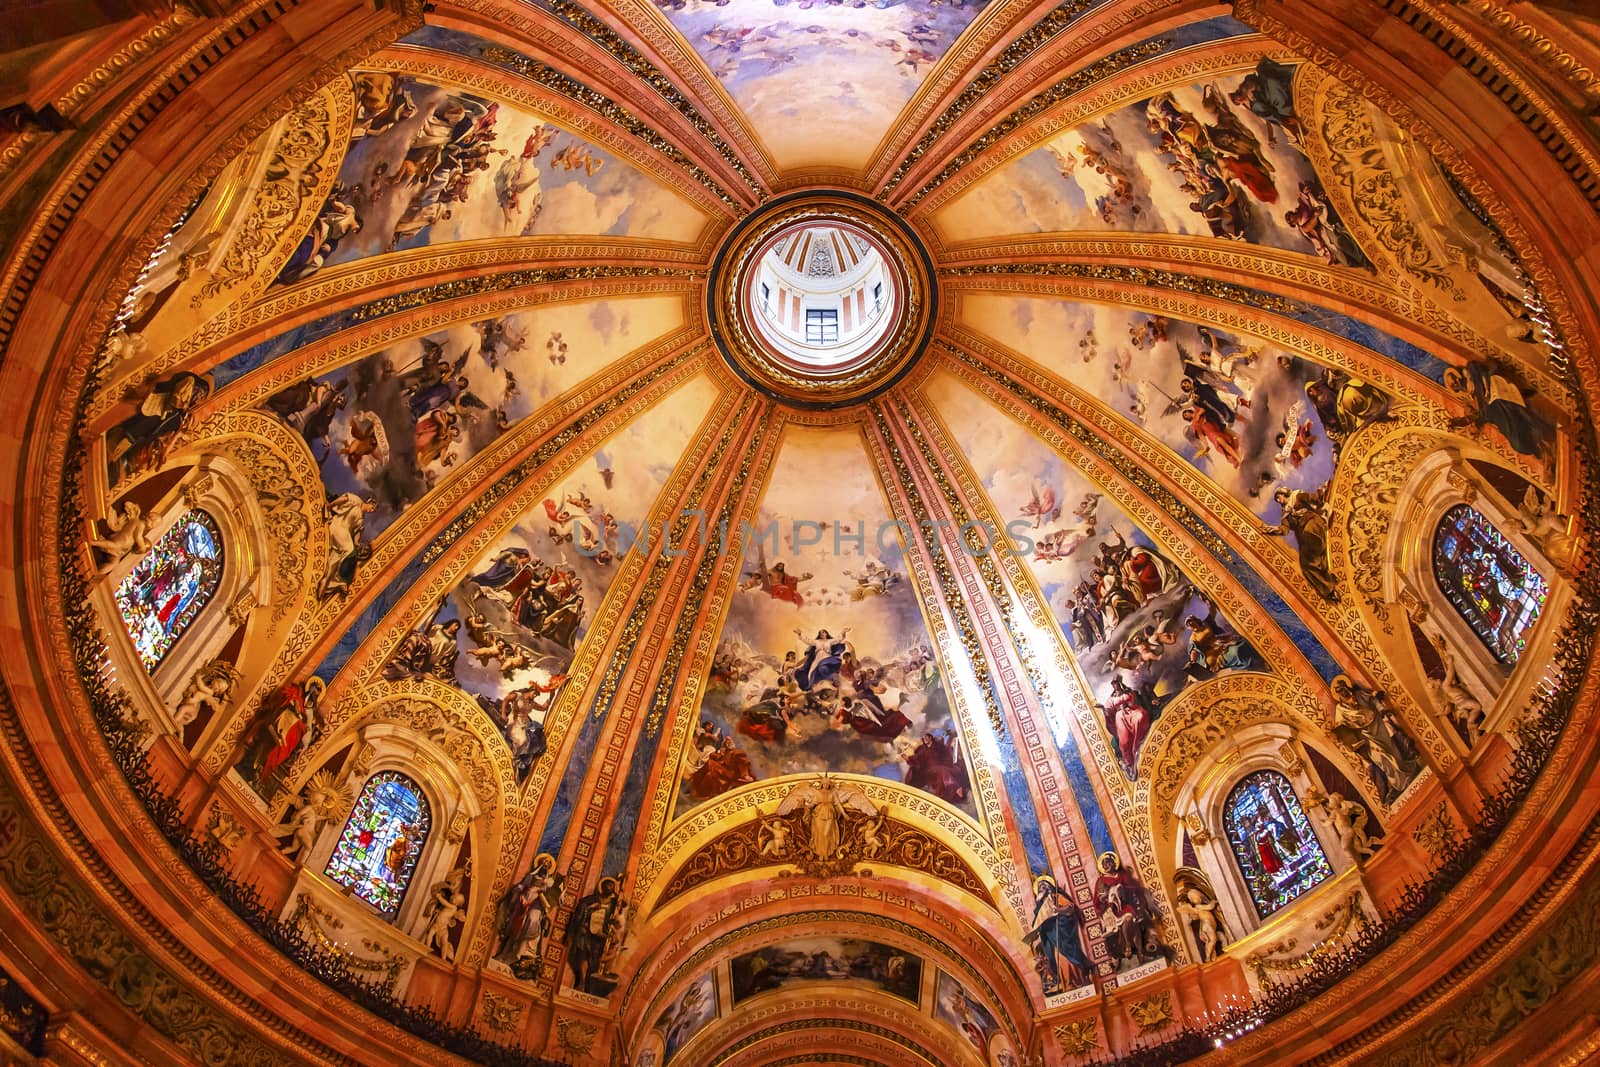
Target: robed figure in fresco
[288, 719]
[1057, 938]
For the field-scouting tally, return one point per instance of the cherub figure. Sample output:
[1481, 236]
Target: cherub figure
[129, 536]
[1202, 914]
[324, 797]
[1350, 820]
[301, 830]
[210, 688]
[446, 902]
[774, 837]
[1458, 702]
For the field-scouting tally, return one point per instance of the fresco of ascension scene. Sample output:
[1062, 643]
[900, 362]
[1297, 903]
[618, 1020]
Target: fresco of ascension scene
[823, 80]
[827, 959]
[824, 662]
[1221, 158]
[1259, 421]
[427, 165]
[687, 1015]
[396, 422]
[1139, 628]
[509, 631]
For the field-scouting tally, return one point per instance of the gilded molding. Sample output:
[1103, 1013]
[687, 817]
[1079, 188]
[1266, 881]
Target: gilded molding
[1024, 46]
[67, 911]
[648, 73]
[556, 82]
[1070, 86]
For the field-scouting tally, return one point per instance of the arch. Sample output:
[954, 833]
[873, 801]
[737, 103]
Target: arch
[1491, 585]
[378, 848]
[164, 593]
[1273, 842]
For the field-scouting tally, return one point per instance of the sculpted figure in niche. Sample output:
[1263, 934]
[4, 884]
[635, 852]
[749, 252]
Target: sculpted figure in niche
[446, 900]
[324, 798]
[1547, 527]
[525, 915]
[130, 536]
[209, 690]
[1201, 912]
[1350, 819]
[1363, 720]
[1457, 701]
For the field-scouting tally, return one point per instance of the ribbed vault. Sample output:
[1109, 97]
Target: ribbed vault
[443, 627]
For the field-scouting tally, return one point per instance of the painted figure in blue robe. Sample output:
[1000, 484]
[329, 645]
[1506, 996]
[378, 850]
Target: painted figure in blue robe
[1057, 938]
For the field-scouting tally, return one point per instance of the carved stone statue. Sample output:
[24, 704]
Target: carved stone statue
[301, 830]
[774, 837]
[447, 899]
[323, 799]
[1462, 707]
[124, 345]
[1201, 912]
[210, 688]
[129, 536]
[1547, 528]
[1350, 820]
[1201, 915]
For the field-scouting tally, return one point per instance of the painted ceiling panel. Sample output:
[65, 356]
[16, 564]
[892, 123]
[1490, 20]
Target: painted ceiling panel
[825, 662]
[428, 165]
[1220, 158]
[397, 422]
[526, 604]
[1139, 627]
[1251, 416]
[821, 82]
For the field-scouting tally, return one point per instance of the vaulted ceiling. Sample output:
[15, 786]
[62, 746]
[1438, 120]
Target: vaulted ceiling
[768, 716]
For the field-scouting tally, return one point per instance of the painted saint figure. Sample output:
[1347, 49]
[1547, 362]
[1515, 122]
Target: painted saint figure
[1056, 938]
[288, 719]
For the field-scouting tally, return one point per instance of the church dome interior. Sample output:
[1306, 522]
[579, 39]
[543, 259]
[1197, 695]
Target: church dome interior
[737, 533]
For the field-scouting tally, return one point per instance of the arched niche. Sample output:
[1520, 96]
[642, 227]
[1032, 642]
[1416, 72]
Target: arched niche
[1443, 481]
[900, 919]
[1262, 746]
[217, 486]
[380, 746]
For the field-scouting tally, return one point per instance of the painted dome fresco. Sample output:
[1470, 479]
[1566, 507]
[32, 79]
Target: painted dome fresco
[727, 533]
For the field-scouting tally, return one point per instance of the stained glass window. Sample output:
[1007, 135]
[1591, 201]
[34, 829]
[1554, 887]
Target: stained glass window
[170, 585]
[1488, 581]
[378, 849]
[1272, 840]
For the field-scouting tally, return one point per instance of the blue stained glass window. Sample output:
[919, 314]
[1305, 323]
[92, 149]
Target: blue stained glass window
[378, 849]
[170, 585]
[1272, 841]
[1488, 581]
